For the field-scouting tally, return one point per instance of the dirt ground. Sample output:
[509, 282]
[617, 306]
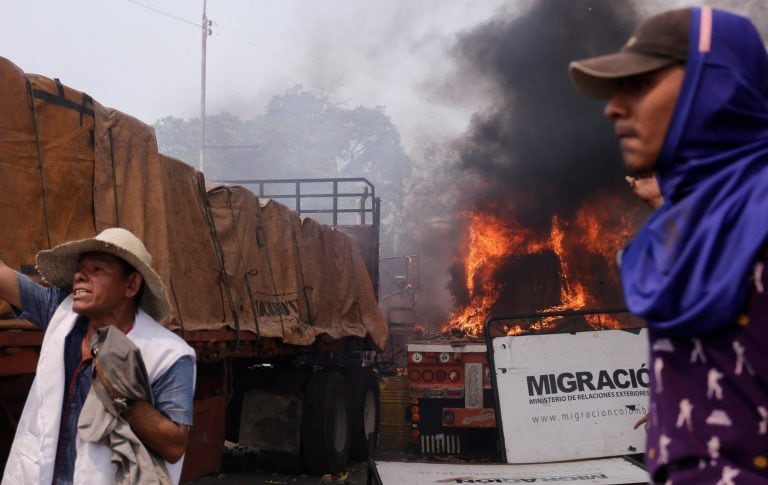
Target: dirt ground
[356, 474]
[243, 466]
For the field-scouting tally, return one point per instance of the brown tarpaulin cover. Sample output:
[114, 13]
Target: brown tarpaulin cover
[71, 168]
[46, 164]
[294, 279]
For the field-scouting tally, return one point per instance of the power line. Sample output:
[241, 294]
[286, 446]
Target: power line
[235, 35]
[228, 33]
[286, 52]
[167, 14]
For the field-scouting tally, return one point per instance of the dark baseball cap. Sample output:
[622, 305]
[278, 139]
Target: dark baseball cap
[659, 41]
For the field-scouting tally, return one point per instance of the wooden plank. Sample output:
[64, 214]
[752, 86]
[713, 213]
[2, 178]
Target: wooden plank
[16, 324]
[18, 361]
[215, 336]
[20, 339]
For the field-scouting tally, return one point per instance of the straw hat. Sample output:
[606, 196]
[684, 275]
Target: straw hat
[58, 265]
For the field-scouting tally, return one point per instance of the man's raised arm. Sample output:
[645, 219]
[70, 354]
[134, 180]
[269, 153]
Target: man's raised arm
[9, 285]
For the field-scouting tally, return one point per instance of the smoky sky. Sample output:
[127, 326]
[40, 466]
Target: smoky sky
[542, 147]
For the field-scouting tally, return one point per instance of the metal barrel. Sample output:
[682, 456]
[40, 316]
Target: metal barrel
[394, 424]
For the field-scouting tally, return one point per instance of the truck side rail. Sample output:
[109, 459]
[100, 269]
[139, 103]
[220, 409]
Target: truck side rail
[348, 195]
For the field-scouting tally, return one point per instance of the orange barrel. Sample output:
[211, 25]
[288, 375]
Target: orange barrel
[394, 426]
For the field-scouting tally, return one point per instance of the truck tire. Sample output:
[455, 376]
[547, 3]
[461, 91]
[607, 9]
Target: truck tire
[364, 414]
[324, 425]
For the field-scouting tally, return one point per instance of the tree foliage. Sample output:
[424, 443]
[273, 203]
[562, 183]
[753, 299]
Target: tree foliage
[301, 135]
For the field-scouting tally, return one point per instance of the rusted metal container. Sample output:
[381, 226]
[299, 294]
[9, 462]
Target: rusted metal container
[206, 439]
[394, 425]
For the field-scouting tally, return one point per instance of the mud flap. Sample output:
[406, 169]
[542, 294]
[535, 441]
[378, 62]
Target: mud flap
[270, 420]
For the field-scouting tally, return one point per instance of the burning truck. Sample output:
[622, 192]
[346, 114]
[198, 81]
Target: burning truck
[538, 206]
[504, 268]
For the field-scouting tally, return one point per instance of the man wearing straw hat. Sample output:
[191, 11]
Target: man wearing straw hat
[106, 282]
[688, 96]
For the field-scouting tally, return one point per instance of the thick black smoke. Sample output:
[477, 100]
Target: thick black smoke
[543, 147]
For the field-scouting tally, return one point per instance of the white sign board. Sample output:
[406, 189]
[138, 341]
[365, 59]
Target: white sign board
[571, 396]
[607, 471]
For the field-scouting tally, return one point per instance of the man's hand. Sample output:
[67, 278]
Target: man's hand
[161, 435]
[642, 422]
[646, 188]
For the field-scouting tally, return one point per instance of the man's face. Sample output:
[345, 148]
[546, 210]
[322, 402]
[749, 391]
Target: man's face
[641, 110]
[101, 285]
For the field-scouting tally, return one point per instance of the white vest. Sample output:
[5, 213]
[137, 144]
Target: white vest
[32, 456]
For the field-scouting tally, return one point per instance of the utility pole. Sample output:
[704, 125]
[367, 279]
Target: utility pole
[206, 31]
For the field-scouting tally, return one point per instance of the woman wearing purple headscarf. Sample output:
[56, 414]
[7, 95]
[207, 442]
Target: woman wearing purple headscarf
[688, 95]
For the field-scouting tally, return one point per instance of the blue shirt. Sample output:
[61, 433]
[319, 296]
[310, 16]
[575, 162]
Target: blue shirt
[173, 391]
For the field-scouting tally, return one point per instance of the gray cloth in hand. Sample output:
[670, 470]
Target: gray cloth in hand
[100, 421]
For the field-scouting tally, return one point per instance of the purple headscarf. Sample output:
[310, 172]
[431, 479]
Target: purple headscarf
[686, 272]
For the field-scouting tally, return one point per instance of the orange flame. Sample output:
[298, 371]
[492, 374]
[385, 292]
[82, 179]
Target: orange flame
[490, 241]
[597, 230]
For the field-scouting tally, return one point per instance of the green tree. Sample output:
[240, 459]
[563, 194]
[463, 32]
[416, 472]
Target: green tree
[302, 135]
[178, 138]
